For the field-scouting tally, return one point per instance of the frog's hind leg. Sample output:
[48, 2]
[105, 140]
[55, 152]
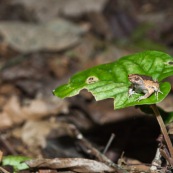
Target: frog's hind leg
[147, 94]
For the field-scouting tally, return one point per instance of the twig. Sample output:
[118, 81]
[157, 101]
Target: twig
[109, 143]
[3, 170]
[7, 144]
[1, 155]
[163, 129]
[91, 150]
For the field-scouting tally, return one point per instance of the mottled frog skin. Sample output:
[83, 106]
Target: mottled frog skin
[143, 84]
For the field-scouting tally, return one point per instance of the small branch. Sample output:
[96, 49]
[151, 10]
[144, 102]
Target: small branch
[8, 146]
[109, 143]
[93, 151]
[3, 170]
[163, 129]
[1, 155]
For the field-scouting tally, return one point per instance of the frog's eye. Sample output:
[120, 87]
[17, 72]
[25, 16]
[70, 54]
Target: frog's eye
[137, 78]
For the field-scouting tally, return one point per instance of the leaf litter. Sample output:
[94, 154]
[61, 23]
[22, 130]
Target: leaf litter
[14, 113]
[52, 36]
[73, 164]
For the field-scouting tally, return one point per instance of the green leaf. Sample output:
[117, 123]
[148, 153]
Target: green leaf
[17, 162]
[111, 80]
[167, 117]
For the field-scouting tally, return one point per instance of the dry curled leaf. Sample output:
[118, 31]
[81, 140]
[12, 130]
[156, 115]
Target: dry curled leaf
[73, 164]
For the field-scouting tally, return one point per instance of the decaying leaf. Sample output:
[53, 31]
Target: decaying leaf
[13, 112]
[72, 8]
[43, 129]
[73, 164]
[53, 36]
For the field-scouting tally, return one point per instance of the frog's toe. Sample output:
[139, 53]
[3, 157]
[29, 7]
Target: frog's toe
[138, 99]
[160, 92]
[141, 98]
[157, 93]
[131, 92]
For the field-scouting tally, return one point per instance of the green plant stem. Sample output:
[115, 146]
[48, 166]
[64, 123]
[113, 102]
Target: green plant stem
[163, 129]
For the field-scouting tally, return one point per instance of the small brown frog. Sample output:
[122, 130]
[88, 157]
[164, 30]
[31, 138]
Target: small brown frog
[143, 84]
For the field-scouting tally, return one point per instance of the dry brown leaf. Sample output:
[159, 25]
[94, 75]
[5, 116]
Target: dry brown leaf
[46, 10]
[8, 89]
[133, 165]
[13, 112]
[48, 171]
[166, 104]
[34, 133]
[52, 36]
[59, 66]
[74, 164]
[102, 112]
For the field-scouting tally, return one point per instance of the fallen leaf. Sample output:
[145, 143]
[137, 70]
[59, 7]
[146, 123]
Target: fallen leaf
[102, 112]
[52, 36]
[166, 104]
[49, 171]
[48, 10]
[74, 164]
[43, 129]
[13, 112]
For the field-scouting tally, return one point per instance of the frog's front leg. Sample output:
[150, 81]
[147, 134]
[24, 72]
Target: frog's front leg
[131, 92]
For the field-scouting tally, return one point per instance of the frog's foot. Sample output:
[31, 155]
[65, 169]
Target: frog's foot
[141, 98]
[144, 96]
[131, 92]
[157, 93]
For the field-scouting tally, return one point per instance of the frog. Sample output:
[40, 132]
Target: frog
[143, 84]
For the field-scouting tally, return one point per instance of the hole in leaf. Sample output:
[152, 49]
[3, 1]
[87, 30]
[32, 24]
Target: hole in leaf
[91, 79]
[170, 62]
